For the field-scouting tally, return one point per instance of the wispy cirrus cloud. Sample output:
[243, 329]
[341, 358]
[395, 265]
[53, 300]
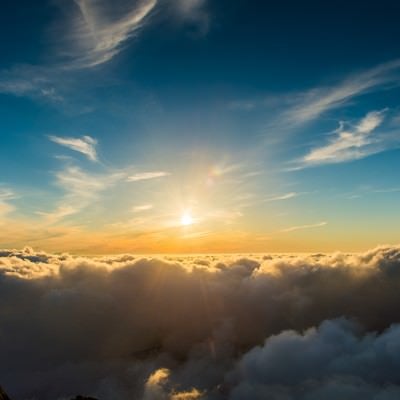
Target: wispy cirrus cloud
[94, 32]
[143, 176]
[99, 34]
[81, 189]
[62, 211]
[350, 144]
[285, 196]
[94, 36]
[293, 110]
[142, 207]
[30, 81]
[194, 11]
[302, 227]
[311, 104]
[85, 145]
[5, 208]
[5, 196]
[389, 190]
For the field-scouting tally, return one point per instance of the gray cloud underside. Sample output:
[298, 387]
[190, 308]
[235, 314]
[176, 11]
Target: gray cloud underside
[231, 327]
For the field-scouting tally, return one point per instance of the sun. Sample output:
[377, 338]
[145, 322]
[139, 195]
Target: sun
[186, 219]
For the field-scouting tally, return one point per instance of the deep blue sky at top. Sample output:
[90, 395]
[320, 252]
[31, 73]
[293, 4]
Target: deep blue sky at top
[250, 49]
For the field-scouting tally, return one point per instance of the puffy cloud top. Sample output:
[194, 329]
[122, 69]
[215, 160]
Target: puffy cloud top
[210, 327]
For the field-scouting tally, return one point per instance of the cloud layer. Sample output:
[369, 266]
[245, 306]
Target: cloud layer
[332, 362]
[217, 327]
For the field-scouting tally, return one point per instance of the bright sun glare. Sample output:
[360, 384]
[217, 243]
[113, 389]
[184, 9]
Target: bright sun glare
[186, 219]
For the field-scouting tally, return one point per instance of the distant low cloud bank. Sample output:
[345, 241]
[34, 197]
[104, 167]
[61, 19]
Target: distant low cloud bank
[201, 327]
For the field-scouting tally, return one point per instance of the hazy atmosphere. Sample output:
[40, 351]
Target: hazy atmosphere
[199, 199]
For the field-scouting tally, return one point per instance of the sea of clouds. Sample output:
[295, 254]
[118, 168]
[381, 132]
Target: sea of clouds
[261, 326]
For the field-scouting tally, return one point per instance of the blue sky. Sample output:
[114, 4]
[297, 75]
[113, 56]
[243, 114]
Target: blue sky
[275, 127]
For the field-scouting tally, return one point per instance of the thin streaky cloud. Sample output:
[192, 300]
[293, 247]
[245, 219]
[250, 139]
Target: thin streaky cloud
[390, 190]
[142, 176]
[80, 183]
[349, 144]
[189, 7]
[59, 213]
[369, 191]
[6, 194]
[371, 121]
[141, 208]
[301, 227]
[95, 35]
[313, 103]
[85, 145]
[30, 81]
[194, 11]
[98, 37]
[5, 208]
[285, 196]
[81, 189]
